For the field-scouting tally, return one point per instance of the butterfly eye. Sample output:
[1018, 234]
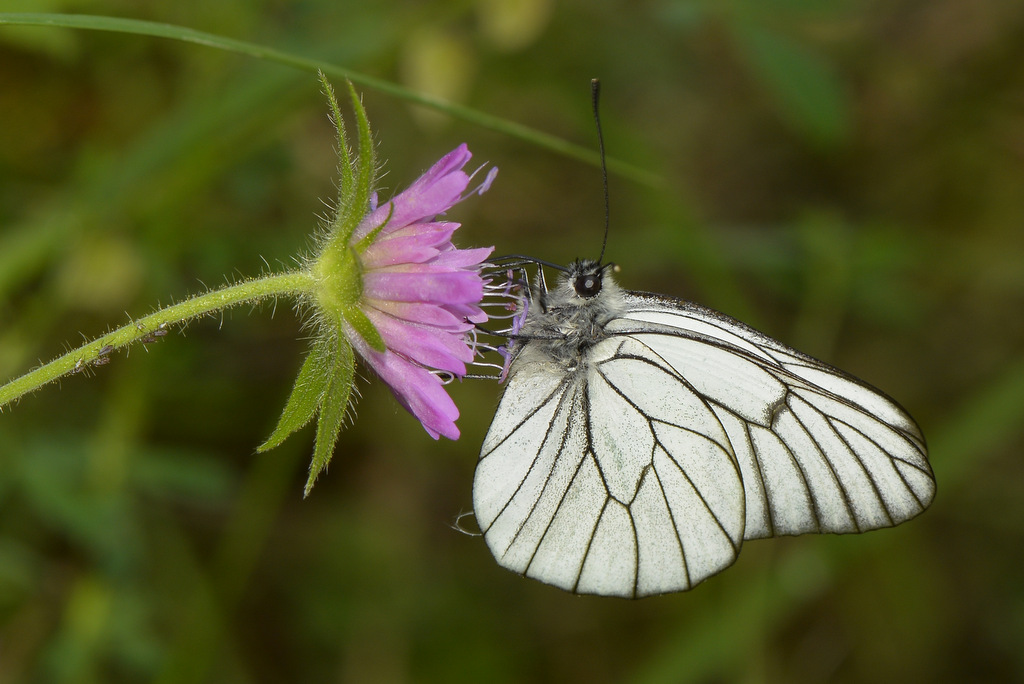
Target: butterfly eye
[587, 285]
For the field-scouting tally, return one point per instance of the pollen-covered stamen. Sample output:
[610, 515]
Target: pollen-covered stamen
[445, 377]
[485, 185]
[481, 350]
[506, 299]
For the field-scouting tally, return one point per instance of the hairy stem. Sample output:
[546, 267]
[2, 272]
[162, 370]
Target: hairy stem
[150, 328]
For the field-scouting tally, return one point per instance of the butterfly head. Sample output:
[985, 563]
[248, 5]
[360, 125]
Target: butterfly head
[586, 278]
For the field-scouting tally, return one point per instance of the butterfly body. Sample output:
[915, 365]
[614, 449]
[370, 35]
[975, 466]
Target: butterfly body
[566, 323]
[641, 439]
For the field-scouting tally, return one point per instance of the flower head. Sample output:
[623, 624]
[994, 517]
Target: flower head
[420, 292]
[387, 284]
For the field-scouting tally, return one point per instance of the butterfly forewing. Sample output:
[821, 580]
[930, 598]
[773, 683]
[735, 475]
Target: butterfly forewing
[826, 454]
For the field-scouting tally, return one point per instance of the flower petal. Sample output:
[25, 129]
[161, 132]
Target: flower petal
[432, 227]
[460, 287]
[430, 201]
[425, 314]
[426, 346]
[417, 247]
[461, 258]
[433, 193]
[417, 389]
[449, 163]
[469, 312]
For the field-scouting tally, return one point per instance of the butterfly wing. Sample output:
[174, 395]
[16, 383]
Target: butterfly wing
[818, 450]
[616, 479]
[684, 433]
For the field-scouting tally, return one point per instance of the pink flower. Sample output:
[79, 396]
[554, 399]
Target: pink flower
[421, 293]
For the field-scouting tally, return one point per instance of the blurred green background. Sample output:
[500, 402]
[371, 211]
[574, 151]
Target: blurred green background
[848, 176]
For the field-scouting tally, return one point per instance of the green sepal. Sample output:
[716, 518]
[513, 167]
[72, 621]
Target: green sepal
[370, 237]
[333, 408]
[355, 317]
[356, 177]
[307, 394]
[346, 184]
[367, 158]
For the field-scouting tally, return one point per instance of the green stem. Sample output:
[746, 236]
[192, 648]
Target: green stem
[474, 116]
[151, 327]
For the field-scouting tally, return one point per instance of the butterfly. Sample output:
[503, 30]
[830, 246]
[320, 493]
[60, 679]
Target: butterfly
[641, 439]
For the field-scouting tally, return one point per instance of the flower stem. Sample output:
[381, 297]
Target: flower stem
[149, 328]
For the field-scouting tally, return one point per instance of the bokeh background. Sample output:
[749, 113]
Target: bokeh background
[846, 175]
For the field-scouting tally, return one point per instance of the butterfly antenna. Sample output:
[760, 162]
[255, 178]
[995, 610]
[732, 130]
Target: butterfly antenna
[595, 94]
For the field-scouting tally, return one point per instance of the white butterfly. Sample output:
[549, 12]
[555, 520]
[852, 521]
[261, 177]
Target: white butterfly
[641, 439]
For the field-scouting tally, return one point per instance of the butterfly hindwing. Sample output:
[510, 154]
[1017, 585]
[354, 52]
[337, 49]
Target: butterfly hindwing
[630, 488]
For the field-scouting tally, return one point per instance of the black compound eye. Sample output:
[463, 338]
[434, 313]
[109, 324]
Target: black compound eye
[587, 285]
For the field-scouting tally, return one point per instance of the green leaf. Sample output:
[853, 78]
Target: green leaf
[809, 93]
[333, 409]
[307, 394]
[355, 317]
